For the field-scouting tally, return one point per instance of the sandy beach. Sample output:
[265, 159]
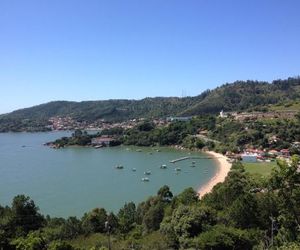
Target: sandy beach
[223, 169]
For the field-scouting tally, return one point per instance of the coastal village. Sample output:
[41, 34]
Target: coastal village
[247, 155]
[150, 125]
[68, 123]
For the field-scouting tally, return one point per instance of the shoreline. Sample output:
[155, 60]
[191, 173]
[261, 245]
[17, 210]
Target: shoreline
[223, 165]
[223, 168]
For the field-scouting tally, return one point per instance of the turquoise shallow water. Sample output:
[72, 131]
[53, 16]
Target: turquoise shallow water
[74, 180]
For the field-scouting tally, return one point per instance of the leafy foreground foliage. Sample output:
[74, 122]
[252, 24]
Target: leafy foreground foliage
[241, 213]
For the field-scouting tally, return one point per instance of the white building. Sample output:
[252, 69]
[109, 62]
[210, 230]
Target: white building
[222, 114]
[249, 157]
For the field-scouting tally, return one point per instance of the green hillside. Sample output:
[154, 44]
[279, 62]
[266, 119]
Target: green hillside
[110, 110]
[247, 95]
[238, 96]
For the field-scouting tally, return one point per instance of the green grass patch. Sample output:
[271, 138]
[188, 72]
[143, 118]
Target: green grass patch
[261, 168]
[294, 105]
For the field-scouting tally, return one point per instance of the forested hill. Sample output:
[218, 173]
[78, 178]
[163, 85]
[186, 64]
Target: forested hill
[108, 109]
[242, 95]
[237, 96]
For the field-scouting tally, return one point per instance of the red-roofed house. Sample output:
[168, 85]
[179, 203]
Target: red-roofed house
[285, 152]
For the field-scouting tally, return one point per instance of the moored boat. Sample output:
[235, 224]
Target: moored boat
[148, 172]
[163, 166]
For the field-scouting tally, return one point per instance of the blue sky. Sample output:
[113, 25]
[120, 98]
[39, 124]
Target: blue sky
[106, 49]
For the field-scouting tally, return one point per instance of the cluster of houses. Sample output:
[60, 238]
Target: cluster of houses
[68, 123]
[258, 155]
[65, 123]
[242, 116]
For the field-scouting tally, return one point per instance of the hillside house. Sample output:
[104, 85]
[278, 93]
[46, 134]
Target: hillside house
[223, 114]
[104, 141]
[179, 118]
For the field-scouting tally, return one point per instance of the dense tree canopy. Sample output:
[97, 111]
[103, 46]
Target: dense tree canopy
[242, 213]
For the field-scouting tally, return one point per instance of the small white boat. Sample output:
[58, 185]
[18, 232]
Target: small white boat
[177, 169]
[163, 166]
[133, 169]
[147, 172]
[145, 179]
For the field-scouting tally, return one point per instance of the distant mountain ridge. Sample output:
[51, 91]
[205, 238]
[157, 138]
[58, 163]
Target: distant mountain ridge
[237, 96]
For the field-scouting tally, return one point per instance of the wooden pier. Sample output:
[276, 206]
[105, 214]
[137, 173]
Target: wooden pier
[189, 157]
[180, 159]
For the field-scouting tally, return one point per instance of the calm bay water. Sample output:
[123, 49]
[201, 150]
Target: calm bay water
[74, 180]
